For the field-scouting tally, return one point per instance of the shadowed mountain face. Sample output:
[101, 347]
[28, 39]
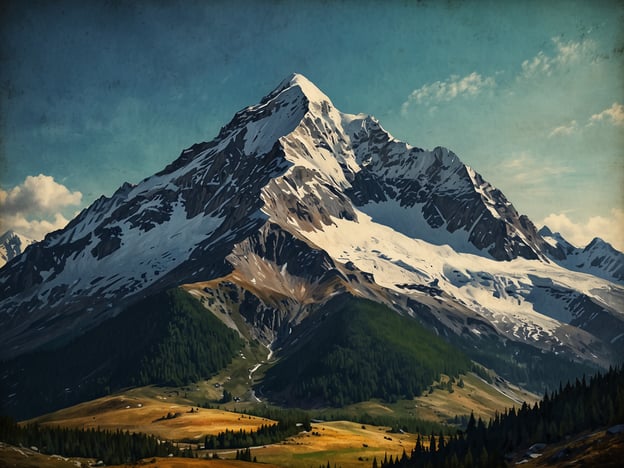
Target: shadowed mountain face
[295, 202]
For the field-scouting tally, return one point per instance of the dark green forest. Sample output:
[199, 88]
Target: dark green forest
[362, 350]
[165, 339]
[571, 409]
[290, 421]
[112, 447]
[265, 434]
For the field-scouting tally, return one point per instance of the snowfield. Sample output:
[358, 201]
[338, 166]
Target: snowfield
[515, 296]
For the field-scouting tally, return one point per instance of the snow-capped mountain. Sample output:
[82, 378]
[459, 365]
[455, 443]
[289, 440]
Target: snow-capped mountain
[294, 202]
[11, 245]
[598, 257]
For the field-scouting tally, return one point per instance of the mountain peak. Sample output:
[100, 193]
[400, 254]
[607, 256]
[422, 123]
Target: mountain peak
[12, 234]
[11, 245]
[7, 235]
[305, 86]
[597, 242]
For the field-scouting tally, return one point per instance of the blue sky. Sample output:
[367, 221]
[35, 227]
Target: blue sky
[529, 94]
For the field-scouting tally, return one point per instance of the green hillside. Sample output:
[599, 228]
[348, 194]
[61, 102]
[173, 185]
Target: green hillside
[361, 350]
[168, 338]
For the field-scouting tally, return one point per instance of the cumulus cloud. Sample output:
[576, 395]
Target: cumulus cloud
[33, 229]
[613, 115]
[610, 229]
[453, 87]
[37, 195]
[34, 207]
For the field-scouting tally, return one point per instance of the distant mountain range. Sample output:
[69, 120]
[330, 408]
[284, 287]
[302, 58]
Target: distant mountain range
[598, 257]
[295, 203]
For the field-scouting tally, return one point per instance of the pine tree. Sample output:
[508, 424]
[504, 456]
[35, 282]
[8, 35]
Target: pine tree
[432, 443]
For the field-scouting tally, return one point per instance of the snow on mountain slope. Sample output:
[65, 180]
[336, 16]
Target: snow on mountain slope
[526, 300]
[292, 202]
[12, 244]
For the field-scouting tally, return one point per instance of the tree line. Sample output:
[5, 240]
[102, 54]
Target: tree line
[112, 447]
[266, 434]
[573, 408]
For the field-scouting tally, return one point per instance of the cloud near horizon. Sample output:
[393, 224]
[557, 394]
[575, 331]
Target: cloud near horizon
[609, 229]
[34, 207]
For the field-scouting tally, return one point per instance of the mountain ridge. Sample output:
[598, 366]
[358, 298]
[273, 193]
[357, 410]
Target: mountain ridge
[289, 198]
[598, 257]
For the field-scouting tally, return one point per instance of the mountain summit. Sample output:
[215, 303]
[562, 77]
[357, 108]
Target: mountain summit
[295, 202]
[12, 244]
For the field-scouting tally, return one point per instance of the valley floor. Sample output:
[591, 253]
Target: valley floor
[169, 413]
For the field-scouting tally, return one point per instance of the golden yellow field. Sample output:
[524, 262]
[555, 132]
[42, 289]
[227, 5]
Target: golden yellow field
[340, 442]
[147, 414]
[344, 443]
[483, 399]
[184, 462]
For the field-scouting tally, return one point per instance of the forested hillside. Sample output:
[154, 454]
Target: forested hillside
[571, 409]
[169, 338]
[362, 350]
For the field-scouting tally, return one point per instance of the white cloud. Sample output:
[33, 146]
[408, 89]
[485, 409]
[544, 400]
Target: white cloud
[37, 194]
[614, 115]
[453, 87]
[565, 53]
[34, 207]
[569, 51]
[538, 64]
[610, 229]
[564, 130]
[34, 229]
